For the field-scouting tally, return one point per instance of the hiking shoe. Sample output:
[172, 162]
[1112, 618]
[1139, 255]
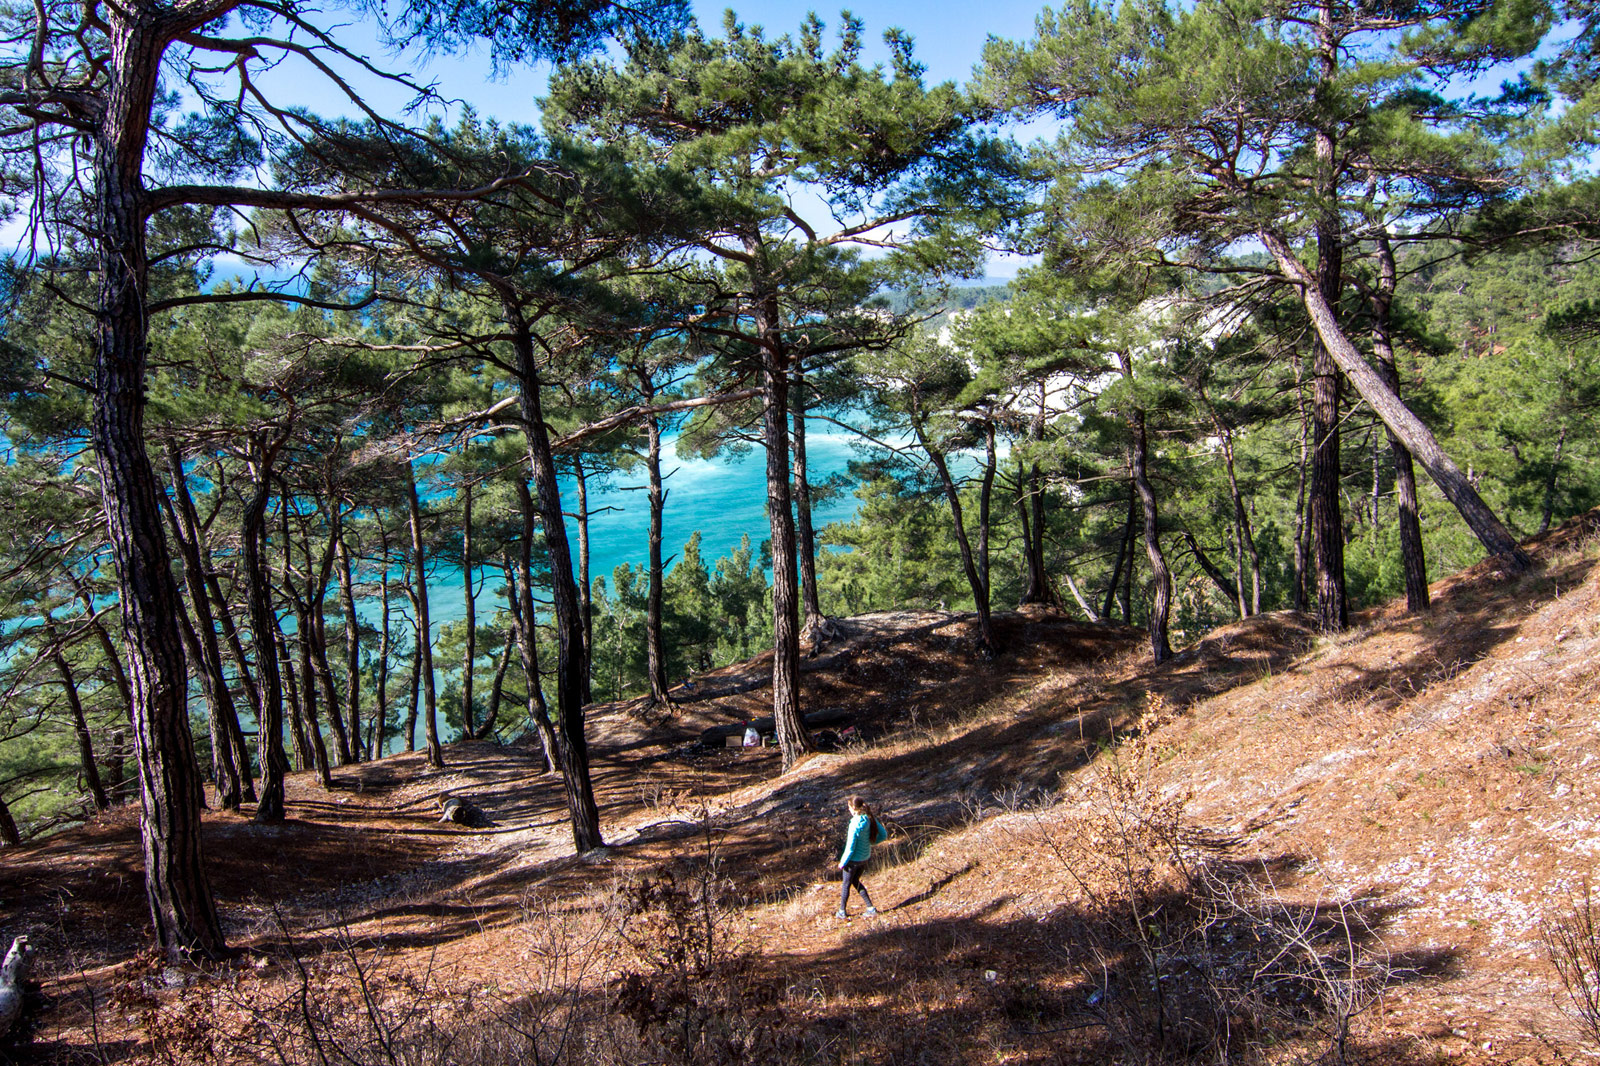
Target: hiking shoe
[870, 912]
[840, 914]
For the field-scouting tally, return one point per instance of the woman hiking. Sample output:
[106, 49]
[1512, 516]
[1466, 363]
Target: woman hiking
[863, 831]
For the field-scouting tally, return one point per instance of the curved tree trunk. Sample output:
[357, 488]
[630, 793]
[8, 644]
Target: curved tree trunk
[1410, 429]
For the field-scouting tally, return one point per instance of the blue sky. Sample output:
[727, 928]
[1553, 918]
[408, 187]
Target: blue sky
[949, 36]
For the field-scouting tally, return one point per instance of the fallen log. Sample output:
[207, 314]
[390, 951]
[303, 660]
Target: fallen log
[461, 812]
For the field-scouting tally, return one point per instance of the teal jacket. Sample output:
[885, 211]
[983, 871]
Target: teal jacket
[859, 838]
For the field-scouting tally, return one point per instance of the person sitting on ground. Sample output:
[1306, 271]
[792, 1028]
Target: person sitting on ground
[863, 831]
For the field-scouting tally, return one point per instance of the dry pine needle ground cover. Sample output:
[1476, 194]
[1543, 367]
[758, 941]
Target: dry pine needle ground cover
[1278, 848]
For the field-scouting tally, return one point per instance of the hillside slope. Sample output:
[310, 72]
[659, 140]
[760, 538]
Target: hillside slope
[1094, 860]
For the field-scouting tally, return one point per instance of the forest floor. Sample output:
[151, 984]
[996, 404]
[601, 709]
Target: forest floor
[1276, 847]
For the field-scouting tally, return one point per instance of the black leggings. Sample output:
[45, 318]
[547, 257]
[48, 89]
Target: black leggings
[851, 875]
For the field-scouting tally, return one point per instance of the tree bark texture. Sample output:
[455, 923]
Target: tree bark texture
[181, 905]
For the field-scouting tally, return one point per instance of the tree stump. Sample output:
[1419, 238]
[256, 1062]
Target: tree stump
[461, 812]
[13, 971]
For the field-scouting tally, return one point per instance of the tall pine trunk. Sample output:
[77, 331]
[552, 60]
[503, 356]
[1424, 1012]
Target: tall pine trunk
[793, 740]
[655, 643]
[1037, 589]
[415, 682]
[316, 600]
[305, 641]
[573, 751]
[988, 645]
[525, 619]
[469, 598]
[1405, 477]
[352, 631]
[228, 736]
[380, 715]
[1302, 554]
[1124, 544]
[985, 502]
[179, 895]
[1139, 469]
[419, 600]
[1241, 524]
[814, 622]
[263, 628]
[585, 591]
[80, 721]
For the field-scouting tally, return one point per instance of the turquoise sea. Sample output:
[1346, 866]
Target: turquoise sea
[725, 499]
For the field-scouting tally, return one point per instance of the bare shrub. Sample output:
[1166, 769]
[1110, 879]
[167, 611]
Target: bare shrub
[1187, 953]
[1572, 940]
